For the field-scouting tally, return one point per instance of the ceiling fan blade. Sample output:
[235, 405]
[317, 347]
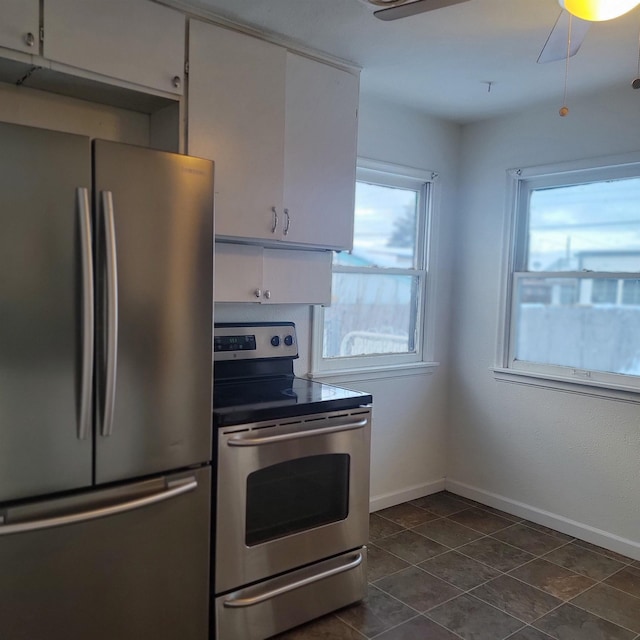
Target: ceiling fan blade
[555, 48]
[413, 8]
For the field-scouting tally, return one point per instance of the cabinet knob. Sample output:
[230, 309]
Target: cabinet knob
[29, 39]
[267, 294]
[274, 226]
[258, 293]
[176, 82]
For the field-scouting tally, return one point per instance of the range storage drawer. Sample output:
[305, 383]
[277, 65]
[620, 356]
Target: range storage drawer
[281, 603]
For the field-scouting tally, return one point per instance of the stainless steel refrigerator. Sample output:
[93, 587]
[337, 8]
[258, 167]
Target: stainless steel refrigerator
[106, 280]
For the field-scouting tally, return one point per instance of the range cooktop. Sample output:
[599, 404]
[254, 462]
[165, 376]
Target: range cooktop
[254, 381]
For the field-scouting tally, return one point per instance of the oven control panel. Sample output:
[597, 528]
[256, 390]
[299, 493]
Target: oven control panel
[243, 341]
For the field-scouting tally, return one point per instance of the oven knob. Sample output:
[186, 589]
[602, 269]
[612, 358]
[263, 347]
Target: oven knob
[288, 340]
[275, 341]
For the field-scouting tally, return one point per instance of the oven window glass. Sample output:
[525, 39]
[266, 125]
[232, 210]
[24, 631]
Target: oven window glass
[296, 495]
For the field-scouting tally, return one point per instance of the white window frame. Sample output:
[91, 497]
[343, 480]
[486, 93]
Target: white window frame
[520, 183]
[420, 360]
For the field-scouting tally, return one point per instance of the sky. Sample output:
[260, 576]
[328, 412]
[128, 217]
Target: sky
[600, 216]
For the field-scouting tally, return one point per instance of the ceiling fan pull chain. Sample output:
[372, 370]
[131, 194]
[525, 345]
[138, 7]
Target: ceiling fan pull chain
[564, 110]
[636, 82]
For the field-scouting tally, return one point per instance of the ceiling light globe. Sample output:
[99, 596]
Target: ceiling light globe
[598, 10]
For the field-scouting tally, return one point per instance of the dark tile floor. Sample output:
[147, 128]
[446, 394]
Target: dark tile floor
[444, 568]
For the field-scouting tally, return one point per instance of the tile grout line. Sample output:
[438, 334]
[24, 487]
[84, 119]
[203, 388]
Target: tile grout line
[582, 608]
[627, 563]
[523, 521]
[524, 624]
[419, 615]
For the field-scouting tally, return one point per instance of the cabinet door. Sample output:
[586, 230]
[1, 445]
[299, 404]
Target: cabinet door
[140, 41]
[296, 277]
[238, 273]
[320, 153]
[236, 118]
[20, 25]
[247, 273]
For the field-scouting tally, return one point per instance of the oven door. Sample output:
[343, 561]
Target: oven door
[290, 493]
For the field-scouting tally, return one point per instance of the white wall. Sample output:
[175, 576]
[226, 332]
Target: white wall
[34, 108]
[564, 459]
[410, 422]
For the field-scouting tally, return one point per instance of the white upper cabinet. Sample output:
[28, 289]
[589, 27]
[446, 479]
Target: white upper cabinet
[132, 40]
[320, 153]
[236, 118]
[237, 273]
[249, 273]
[300, 277]
[20, 25]
[282, 131]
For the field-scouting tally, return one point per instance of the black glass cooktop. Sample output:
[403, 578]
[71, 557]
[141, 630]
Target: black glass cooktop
[253, 400]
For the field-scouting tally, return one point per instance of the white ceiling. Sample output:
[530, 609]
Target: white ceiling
[441, 61]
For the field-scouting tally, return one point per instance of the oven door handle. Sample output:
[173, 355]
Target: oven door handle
[243, 441]
[273, 593]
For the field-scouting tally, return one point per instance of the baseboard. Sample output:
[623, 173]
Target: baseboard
[404, 495]
[573, 528]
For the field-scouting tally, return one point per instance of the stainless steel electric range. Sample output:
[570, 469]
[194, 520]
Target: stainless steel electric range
[292, 503]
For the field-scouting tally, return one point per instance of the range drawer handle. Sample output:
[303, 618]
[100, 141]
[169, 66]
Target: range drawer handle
[268, 595]
[243, 441]
[174, 488]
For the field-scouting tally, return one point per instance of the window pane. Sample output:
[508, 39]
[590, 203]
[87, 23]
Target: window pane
[385, 228]
[593, 226]
[631, 292]
[585, 323]
[371, 313]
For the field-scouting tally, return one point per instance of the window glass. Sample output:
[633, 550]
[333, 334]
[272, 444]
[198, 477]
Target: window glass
[586, 330]
[385, 228]
[376, 316]
[631, 292]
[593, 226]
[371, 313]
[574, 311]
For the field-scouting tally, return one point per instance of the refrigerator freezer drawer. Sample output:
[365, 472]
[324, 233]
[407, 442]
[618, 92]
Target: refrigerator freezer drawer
[125, 563]
[277, 604]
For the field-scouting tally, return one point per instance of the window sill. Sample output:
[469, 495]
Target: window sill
[376, 373]
[597, 389]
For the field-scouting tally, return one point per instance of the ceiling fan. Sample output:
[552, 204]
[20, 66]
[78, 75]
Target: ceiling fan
[572, 25]
[574, 20]
[395, 9]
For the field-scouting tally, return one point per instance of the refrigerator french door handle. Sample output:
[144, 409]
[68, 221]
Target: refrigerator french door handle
[173, 489]
[112, 312]
[84, 218]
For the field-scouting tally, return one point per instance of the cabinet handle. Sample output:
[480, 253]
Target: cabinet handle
[258, 293]
[287, 223]
[274, 226]
[176, 82]
[267, 294]
[29, 39]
